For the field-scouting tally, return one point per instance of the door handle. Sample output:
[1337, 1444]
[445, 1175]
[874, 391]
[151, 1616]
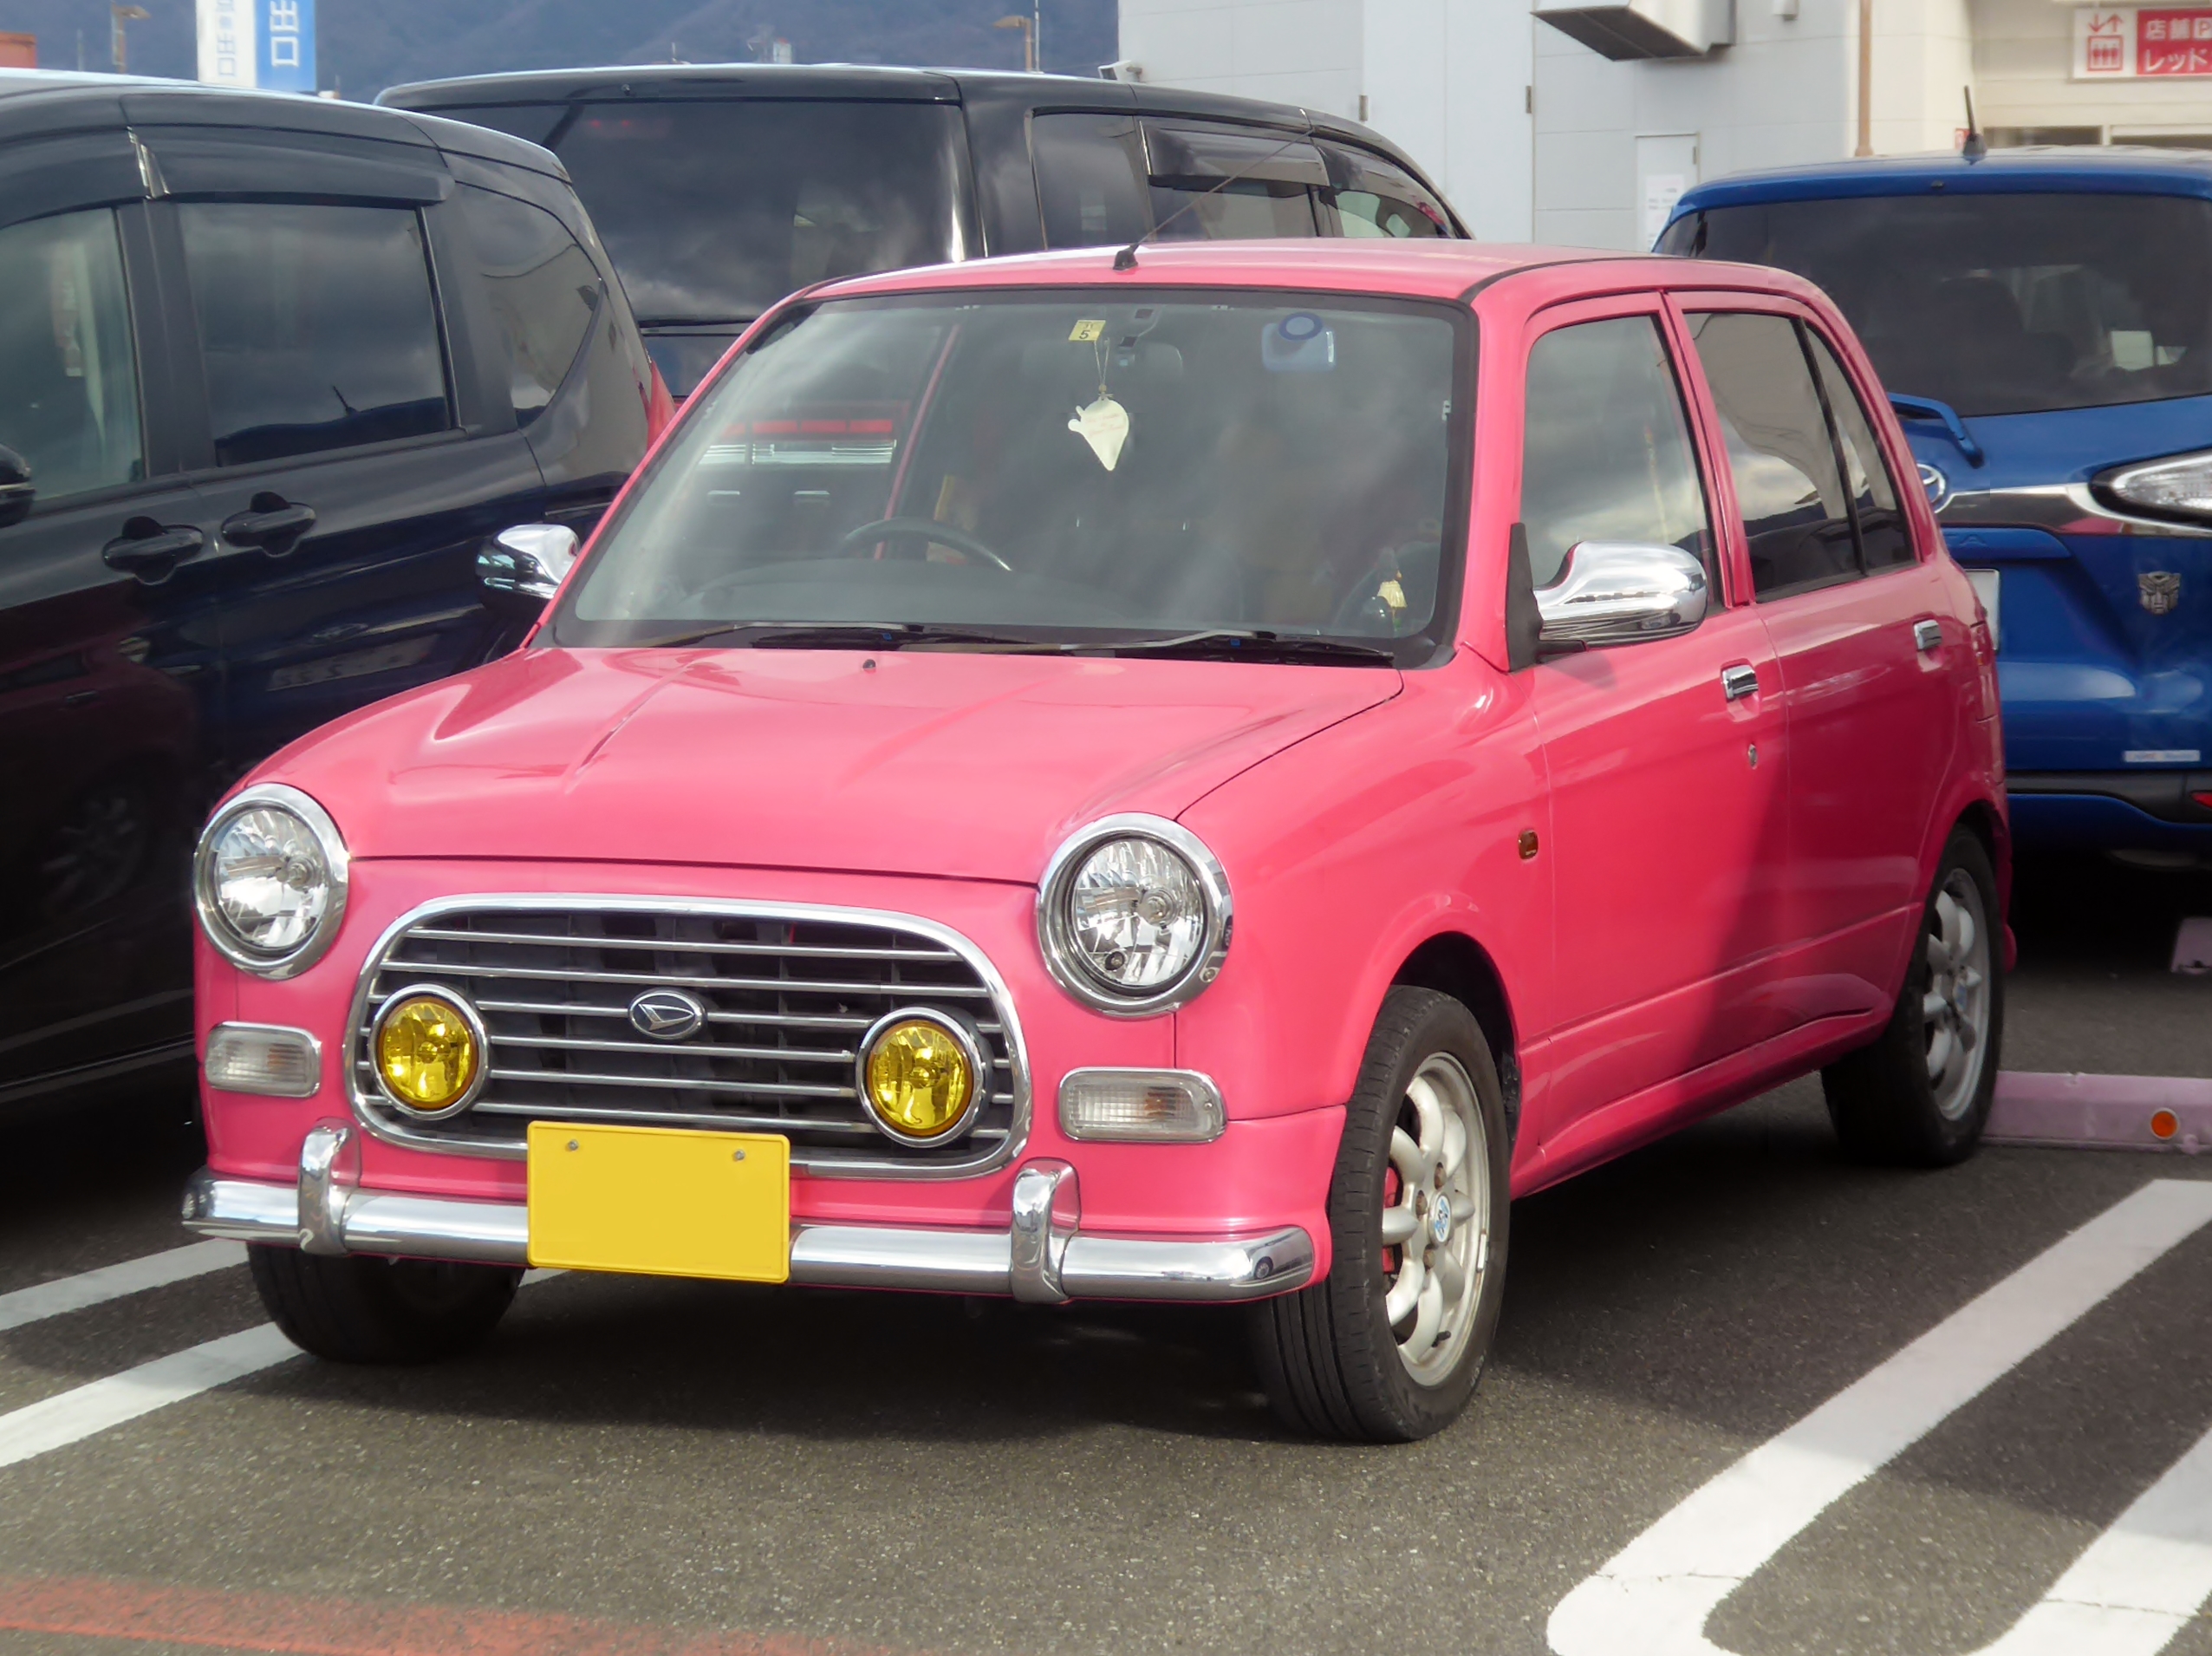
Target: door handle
[1737, 683]
[151, 550]
[270, 522]
[1928, 634]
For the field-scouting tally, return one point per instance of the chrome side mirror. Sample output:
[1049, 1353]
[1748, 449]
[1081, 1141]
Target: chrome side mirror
[523, 566]
[16, 489]
[1621, 592]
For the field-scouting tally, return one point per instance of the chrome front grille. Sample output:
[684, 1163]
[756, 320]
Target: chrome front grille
[788, 993]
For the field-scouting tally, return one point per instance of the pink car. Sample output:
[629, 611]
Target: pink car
[1194, 779]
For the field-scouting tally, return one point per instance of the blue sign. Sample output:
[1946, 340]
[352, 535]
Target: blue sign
[287, 45]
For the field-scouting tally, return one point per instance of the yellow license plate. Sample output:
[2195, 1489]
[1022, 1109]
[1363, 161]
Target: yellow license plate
[660, 1201]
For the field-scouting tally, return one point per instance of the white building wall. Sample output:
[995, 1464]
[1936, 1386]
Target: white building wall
[1305, 52]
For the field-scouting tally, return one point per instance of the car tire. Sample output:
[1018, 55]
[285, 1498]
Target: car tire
[1920, 1095]
[1335, 1361]
[369, 1310]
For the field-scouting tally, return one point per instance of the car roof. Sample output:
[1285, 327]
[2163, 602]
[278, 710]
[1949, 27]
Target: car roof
[1426, 269]
[37, 103]
[2117, 169]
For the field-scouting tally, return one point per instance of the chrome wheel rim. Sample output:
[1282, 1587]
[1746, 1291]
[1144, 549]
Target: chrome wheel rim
[1436, 1219]
[1955, 1007]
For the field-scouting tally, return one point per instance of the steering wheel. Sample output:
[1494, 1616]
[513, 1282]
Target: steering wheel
[926, 528]
[1365, 600]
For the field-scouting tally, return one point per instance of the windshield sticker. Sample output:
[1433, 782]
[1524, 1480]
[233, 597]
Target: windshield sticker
[1104, 424]
[1300, 343]
[1086, 333]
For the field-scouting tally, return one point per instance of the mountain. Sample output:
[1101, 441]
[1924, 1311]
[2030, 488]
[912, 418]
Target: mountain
[366, 45]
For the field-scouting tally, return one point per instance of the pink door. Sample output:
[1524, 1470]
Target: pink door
[1664, 757]
[1870, 709]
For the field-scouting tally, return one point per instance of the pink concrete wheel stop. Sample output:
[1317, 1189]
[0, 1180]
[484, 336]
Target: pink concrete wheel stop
[2102, 1111]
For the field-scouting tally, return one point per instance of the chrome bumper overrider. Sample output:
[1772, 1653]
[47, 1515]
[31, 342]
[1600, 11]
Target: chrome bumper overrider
[1043, 1257]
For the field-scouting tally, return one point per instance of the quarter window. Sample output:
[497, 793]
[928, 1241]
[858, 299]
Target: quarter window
[543, 286]
[1607, 454]
[1883, 538]
[1373, 198]
[68, 387]
[317, 327]
[1795, 514]
[1090, 180]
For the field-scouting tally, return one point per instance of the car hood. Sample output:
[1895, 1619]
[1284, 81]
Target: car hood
[964, 765]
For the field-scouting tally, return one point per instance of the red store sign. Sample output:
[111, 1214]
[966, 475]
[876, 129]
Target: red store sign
[2128, 41]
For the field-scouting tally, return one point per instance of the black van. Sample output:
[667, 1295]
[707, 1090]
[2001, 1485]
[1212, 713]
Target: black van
[272, 369]
[722, 187]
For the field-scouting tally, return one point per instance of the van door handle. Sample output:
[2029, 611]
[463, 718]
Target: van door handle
[150, 550]
[1928, 634]
[269, 522]
[1739, 681]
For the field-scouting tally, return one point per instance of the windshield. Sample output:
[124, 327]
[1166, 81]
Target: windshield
[713, 211]
[1239, 473]
[1999, 304]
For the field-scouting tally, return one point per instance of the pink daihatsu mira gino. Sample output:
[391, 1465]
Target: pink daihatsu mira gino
[1195, 775]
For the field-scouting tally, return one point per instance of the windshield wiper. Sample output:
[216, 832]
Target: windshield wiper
[1230, 644]
[859, 635]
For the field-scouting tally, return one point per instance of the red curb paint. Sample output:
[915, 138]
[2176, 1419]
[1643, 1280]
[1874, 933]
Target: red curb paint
[99, 1607]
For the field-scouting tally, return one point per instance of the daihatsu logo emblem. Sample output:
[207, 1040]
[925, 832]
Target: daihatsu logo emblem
[668, 1014]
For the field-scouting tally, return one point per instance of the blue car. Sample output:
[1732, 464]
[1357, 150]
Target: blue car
[2043, 319]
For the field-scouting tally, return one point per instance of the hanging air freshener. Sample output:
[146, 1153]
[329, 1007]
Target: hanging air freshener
[1102, 423]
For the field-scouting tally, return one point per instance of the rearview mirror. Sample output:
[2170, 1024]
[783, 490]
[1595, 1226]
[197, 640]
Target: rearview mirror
[1621, 592]
[523, 566]
[16, 488]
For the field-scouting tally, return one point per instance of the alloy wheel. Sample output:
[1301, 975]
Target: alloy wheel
[1435, 1218]
[1955, 1007]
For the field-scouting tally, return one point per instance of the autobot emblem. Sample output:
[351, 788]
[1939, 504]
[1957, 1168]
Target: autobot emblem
[668, 1014]
[2161, 590]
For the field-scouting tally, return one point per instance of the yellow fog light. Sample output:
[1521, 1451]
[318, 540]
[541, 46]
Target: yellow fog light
[923, 1076]
[429, 1051]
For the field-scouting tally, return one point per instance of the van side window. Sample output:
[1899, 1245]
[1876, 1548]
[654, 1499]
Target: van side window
[316, 326]
[1278, 183]
[1373, 197]
[1090, 180]
[1884, 539]
[543, 288]
[1606, 452]
[69, 387]
[1795, 513]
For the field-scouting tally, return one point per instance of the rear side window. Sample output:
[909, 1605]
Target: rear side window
[543, 288]
[1606, 453]
[1794, 511]
[1883, 538]
[69, 387]
[1277, 183]
[1090, 180]
[317, 327]
[1373, 197]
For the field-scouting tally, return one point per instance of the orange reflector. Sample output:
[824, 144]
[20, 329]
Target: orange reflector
[2164, 1124]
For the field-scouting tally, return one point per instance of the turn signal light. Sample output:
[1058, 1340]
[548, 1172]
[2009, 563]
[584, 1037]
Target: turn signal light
[429, 1051]
[275, 1062]
[921, 1074]
[1142, 1106]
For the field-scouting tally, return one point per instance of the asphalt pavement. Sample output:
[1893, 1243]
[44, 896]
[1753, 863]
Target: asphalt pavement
[637, 1466]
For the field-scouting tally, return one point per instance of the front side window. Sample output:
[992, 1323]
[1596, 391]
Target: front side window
[1220, 183]
[543, 289]
[317, 327]
[1144, 470]
[69, 384]
[713, 211]
[1606, 452]
[1373, 198]
[1795, 513]
[1999, 304]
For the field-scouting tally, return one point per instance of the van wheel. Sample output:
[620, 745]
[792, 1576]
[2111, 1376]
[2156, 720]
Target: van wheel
[1920, 1095]
[1388, 1347]
[361, 1309]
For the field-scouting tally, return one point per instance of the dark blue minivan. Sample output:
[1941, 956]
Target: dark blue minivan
[2043, 321]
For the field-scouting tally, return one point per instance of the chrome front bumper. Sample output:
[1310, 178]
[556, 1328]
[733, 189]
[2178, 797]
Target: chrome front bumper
[1043, 1257]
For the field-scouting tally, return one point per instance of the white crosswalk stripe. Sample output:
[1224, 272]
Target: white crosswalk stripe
[46, 1299]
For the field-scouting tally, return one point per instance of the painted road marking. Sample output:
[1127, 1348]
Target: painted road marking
[114, 1281]
[149, 1613]
[2127, 1596]
[2102, 1111]
[85, 1410]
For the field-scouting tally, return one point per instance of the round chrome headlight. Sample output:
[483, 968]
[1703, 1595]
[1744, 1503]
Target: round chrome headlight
[270, 881]
[1133, 915]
